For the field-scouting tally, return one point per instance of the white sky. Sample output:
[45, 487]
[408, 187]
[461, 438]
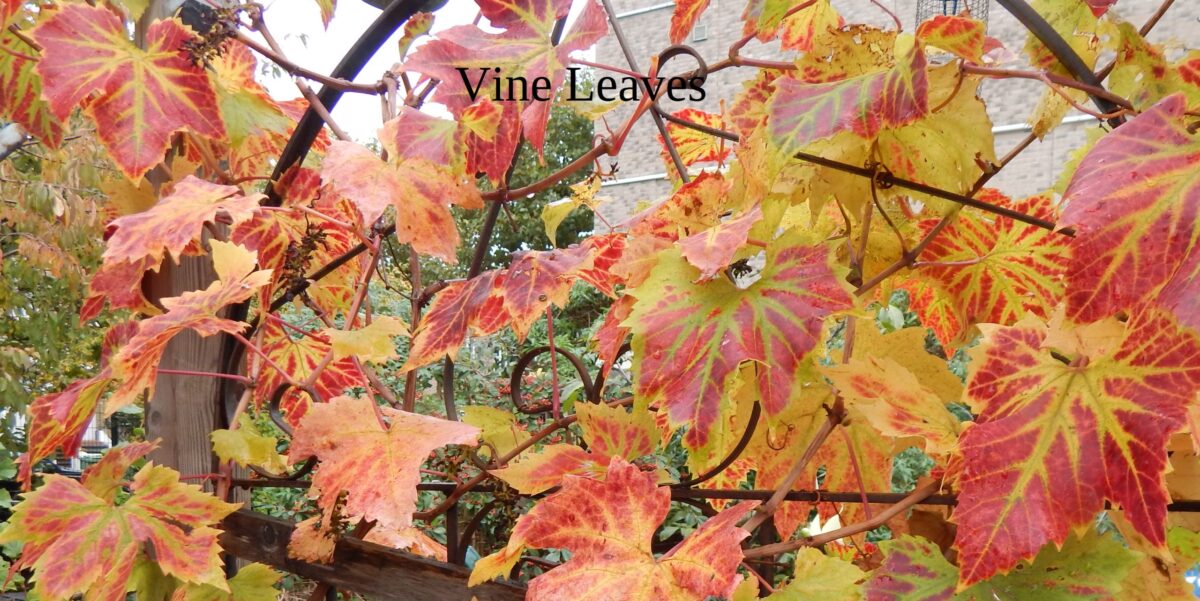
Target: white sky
[297, 26]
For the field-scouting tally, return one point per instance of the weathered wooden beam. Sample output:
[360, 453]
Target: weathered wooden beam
[372, 570]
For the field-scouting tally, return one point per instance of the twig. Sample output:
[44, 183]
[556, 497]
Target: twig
[914, 498]
[764, 511]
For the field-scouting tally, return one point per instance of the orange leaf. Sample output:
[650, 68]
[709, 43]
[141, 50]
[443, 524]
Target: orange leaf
[963, 37]
[141, 96]
[137, 362]
[300, 357]
[608, 526]
[176, 221]
[78, 542]
[418, 189]
[376, 467]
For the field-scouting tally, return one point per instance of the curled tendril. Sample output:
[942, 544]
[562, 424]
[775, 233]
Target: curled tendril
[590, 390]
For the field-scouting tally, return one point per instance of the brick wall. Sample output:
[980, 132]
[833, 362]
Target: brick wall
[645, 24]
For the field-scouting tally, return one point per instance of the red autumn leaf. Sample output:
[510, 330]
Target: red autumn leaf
[419, 190]
[803, 29]
[120, 284]
[800, 112]
[492, 154]
[535, 280]
[79, 541]
[59, 421]
[21, 89]
[608, 526]
[614, 432]
[684, 18]
[1135, 204]
[712, 250]
[608, 432]
[963, 37]
[376, 467]
[136, 364]
[415, 134]
[138, 97]
[988, 269]
[606, 251]
[611, 335]
[1066, 420]
[296, 245]
[522, 49]
[690, 338]
[176, 221]
[475, 305]
[538, 471]
[300, 357]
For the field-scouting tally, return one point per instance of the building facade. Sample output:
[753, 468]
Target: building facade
[641, 174]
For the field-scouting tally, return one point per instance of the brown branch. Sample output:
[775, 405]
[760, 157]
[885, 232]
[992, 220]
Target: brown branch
[914, 498]
[296, 70]
[764, 512]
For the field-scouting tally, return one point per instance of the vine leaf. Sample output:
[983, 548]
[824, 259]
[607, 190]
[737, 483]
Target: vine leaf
[895, 402]
[608, 432]
[684, 18]
[246, 446]
[804, 29]
[21, 90]
[713, 249]
[541, 470]
[137, 361]
[963, 37]
[371, 343]
[410, 539]
[176, 221]
[80, 543]
[1053, 440]
[688, 338]
[474, 305]
[105, 478]
[375, 466]
[535, 280]
[498, 428]
[523, 49]
[766, 19]
[419, 190]
[692, 145]
[414, 134]
[800, 112]
[612, 431]
[582, 194]
[1134, 203]
[1087, 568]
[253, 582]
[906, 347]
[415, 27]
[819, 577]
[141, 96]
[608, 526]
[59, 420]
[299, 357]
[988, 269]
[294, 245]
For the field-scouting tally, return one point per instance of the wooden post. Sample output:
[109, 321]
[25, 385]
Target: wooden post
[183, 410]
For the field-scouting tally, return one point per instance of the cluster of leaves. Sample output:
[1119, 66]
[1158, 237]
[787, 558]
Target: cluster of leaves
[745, 298]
